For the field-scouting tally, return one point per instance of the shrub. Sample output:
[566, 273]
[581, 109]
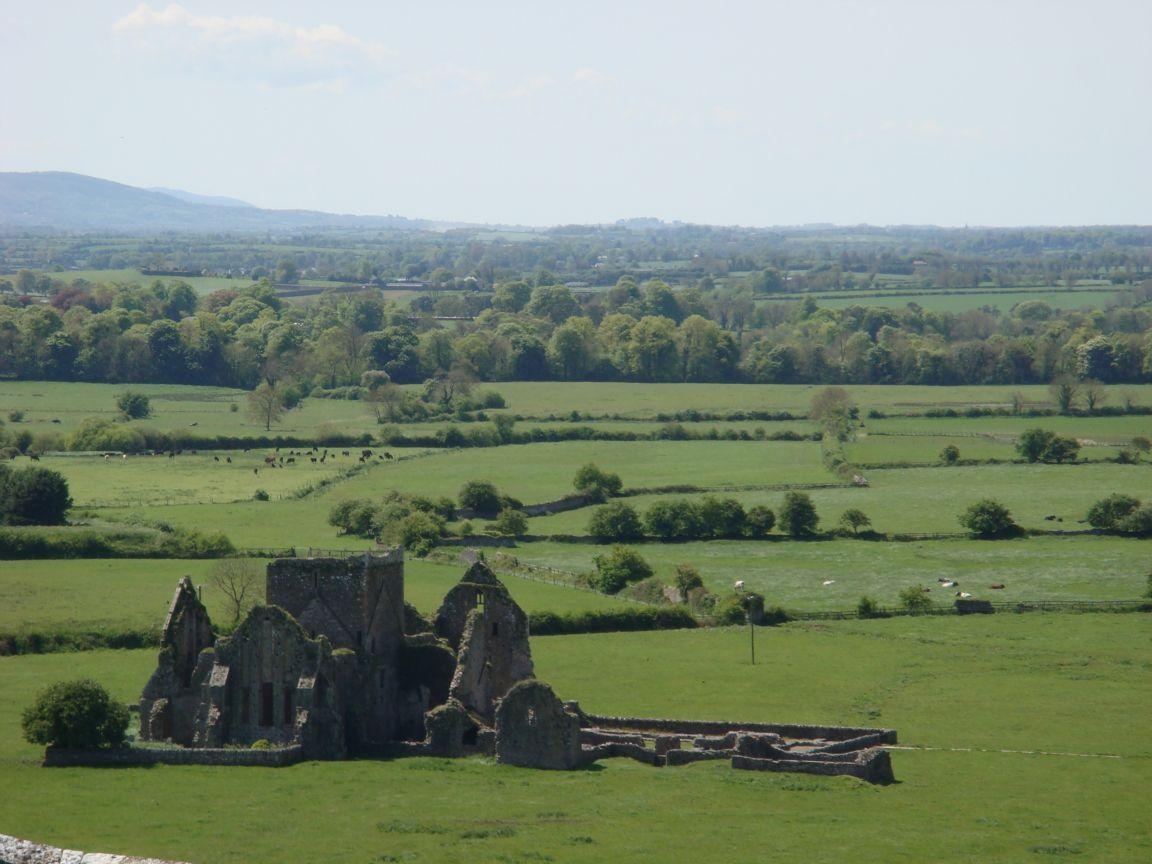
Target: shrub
[687, 579]
[915, 600]
[721, 518]
[1042, 445]
[740, 609]
[260, 495]
[1108, 512]
[617, 568]
[418, 531]
[596, 484]
[480, 496]
[15, 415]
[673, 520]
[511, 523]
[33, 496]
[99, 433]
[1138, 522]
[616, 521]
[853, 520]
[75, 714]
[798, 515]
[133, 405]
[759, 521]
[260, 744]
[950, 455]
[989, 518]
[868, 608]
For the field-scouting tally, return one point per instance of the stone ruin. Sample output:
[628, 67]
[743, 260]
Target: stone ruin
[337, 665]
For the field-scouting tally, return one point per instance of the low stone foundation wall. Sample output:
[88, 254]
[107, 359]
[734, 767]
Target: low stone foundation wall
[720, 728]
[13, 850]
[873, 766]
[129, 757]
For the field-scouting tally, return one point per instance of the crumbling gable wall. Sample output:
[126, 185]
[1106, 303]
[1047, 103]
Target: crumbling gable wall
[489, 632]
[168, 702]
[358, 602]
[270, 680]
[533, 729]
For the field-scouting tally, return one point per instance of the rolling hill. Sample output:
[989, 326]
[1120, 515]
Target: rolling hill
[61, 201]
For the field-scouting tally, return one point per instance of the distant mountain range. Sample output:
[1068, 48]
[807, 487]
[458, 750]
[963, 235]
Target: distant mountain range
[57, 200]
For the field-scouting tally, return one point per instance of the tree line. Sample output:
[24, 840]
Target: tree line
[645, 332]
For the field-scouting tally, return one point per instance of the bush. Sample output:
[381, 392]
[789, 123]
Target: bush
[615, 521]
[417, 532]
[596, 484]
[98, 434]
[687, 579]
[133, 405]
[1042, 445]
[260, 495]
[480, 496]
[33, 496]
[759, 521]
[721, 518]
[798, 515]
[1108, 512]
[75, 714]
[868, 608]
[673, 520]
[1138, 522]
[990, 519]
[511, 523]
[617, 568]
[950, 455]
[853, 520]
[915, 600]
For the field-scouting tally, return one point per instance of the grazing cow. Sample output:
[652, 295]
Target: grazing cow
[963, 595]
[999, 586]
[313, 458]
[228, 459]
[33, 457]
[828, 582]
[291, 460]
[215, 458]
[343, 452]
[255, 470]
[387, 455]
[738, 586]
[367, 454]
[269, 460]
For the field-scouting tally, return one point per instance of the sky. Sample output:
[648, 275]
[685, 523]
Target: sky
[728, 112]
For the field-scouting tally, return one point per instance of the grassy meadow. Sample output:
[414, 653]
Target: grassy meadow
[1022, 738]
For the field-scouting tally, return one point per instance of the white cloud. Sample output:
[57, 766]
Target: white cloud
[263, 49]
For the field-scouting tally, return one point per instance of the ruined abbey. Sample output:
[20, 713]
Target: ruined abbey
[337, 665]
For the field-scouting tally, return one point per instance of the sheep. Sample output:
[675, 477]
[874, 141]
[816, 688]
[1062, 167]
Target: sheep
[828, 582]
[738, 586]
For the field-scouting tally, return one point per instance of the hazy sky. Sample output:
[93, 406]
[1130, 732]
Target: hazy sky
[754, 113]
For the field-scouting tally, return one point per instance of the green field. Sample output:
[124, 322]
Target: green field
[1027, 739]
[957, 301]
[127, 594]
[792, 574]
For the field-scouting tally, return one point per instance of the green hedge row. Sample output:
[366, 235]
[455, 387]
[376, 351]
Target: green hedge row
[612, 621]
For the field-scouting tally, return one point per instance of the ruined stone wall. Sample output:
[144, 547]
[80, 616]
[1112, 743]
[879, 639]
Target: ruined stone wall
[13, 850]
[270, 681]
[126, 757]
[358, 602]
[723, 727]
[534, 731]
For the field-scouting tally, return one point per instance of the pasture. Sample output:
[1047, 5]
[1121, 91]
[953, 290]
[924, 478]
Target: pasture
[966, 300]
[1026, 738]
[131, 594]
[792, 573]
